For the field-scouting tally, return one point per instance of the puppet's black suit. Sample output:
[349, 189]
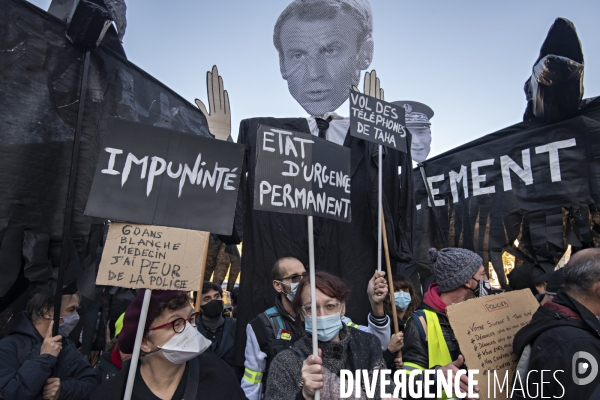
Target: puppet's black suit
[348, 250]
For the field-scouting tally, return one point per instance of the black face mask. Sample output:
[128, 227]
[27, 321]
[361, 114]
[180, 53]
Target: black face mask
[483, 288]
[213, 308]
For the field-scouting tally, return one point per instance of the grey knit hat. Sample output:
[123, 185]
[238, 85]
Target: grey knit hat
[453, 267]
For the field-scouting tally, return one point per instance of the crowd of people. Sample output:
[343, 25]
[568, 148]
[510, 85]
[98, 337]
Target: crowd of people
[185, 354]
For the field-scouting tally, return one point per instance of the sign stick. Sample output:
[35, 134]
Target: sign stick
[380, 209]
[202, 272]
[138, 343]
[313, 291]
[435, 216]
[389, 276]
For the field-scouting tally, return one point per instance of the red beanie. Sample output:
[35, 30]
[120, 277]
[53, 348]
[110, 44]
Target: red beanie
[132, 316]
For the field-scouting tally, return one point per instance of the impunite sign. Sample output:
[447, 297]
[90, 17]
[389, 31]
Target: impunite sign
[377, 121]
[298, 173]
[157, 176]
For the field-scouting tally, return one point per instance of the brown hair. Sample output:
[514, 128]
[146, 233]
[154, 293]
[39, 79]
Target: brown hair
[330, 285]
[181, 300]
[401, 282]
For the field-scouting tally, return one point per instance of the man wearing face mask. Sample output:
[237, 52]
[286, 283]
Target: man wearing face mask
[36, 365]
[429, 340]
[216, 327]
[277, 329]
[174, 363]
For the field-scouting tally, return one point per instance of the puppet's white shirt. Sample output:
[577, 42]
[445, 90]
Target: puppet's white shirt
[338, 127]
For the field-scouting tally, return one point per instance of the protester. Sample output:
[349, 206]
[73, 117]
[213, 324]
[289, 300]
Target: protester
[216, 327]
[277, 328]
[559, 331]
[173, 361]
[295, 373]
[407, 300]
[429, 340]
[36, 365]
[111, 360]
[556, 281]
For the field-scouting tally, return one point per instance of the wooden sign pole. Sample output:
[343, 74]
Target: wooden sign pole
[138, 343]
[202, 271]
[313, 291]
[390, 279]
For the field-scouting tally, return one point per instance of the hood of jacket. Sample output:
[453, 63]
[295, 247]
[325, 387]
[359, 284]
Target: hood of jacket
[24, 326]
[553, 316]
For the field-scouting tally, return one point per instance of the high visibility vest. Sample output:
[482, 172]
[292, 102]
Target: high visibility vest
[437, 348]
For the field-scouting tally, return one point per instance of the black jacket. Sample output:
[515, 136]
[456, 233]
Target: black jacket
[415, 348]
[216, 381]
[554, 340]
[25, 381]
[223, 340]
[347, 250]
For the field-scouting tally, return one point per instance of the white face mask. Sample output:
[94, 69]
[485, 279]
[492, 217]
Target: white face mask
[185, 345]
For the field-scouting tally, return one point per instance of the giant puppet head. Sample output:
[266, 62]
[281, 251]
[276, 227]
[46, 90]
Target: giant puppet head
[418, 122]
[555, 87]
[323, 46]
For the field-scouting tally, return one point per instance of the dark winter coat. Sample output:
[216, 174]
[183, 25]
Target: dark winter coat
[215, 381]
[557, 331]
[24, 381]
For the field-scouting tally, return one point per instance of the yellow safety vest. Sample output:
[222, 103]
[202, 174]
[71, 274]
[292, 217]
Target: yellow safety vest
[437, 349]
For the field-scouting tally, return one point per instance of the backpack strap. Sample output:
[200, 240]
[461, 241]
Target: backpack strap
[421, 324]
[275, 319]
[24, 346]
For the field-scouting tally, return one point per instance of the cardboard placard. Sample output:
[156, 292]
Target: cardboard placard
[152, 257]
[156, 176]
[378, 121]
[485, 328]
[299, 173]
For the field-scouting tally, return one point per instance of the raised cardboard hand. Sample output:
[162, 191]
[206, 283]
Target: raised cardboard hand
[219, 118]
[371, 86]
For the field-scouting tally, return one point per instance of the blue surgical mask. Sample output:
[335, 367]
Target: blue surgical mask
[327, 326]
[402, 300]
[70, 321]
[293, 289]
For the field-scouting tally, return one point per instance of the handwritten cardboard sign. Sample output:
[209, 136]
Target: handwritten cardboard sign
[152, 257]
[298, 173]
[485, 328]
[377, 121]
[156, 176]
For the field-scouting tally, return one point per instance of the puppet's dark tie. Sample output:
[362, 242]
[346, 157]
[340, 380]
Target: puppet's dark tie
[323, 125]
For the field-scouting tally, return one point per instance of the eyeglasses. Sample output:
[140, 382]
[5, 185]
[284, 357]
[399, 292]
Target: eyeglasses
[327, 309]
[179, 324]
[294, 278]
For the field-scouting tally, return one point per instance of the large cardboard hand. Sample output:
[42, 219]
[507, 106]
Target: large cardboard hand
[219, 118]
[371, 86]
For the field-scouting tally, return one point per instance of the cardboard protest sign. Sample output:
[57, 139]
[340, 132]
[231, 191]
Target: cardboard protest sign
[152, 257]
[157, 176]
[485, 328]
[298, 173]
[377, 121]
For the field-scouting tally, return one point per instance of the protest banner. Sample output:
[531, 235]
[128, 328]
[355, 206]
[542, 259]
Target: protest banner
[298, 173]
[485, 328]
[534, 182]
[152, 257]
[156, 176]
[378, 121]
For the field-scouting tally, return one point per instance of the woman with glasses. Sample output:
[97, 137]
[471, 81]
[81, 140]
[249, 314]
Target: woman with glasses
[173, 362]
[296, 373]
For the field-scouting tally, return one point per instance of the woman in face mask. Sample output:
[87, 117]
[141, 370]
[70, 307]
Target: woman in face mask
[407, 300]
[173, 362]
[296, 373]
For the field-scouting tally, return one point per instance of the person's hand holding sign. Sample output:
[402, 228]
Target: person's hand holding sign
[377, 291]
[219, 118]
[51, 389]
[312, 375]
[371, 86]
[52, 344]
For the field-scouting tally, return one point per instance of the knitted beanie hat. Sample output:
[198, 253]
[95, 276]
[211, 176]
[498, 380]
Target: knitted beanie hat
[453, 267]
